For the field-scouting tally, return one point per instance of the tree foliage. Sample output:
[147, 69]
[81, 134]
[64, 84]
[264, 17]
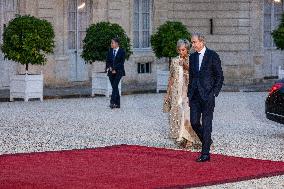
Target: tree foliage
[98, 38]
[164, 40]
[27, 40]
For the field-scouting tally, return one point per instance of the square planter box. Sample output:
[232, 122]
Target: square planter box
[101, 84]
[162, 80]
[26, 87]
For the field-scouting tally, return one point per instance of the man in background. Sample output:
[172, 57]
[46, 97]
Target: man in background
[115, 70]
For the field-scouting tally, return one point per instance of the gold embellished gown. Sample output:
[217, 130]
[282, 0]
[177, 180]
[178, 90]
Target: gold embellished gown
[178, 107]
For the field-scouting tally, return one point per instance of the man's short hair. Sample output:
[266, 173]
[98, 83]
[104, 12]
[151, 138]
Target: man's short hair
[200, 36]
[116, 39]
[184, 42]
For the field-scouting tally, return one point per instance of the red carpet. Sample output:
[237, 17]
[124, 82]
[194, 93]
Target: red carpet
[127, 167]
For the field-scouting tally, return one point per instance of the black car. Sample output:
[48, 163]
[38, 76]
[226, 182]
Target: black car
[274, 105]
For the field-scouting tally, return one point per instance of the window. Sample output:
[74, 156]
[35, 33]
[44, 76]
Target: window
[272, 18]
[142, 23]
[78, 21]
[144, 67]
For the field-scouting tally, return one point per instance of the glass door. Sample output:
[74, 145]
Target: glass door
[79, 18]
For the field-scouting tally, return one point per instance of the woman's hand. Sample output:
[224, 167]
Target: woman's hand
[184, 64]
[167, 97]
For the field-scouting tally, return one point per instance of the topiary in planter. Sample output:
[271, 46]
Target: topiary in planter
[164, 41]
[27, 40]
[278, 35]
[98, 38]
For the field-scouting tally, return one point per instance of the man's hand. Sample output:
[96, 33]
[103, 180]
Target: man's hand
[113, 72]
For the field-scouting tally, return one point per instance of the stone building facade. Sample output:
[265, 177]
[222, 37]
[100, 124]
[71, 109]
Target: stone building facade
[239, 30]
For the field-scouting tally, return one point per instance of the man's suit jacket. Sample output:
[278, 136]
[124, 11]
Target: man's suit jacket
[209, 79]
[117, 63]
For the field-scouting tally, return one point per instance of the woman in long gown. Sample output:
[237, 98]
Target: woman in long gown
[176, 100]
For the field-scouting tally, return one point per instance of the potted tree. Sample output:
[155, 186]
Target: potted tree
[26, 40]
[95, 48]
[278, 37]
[163, 43]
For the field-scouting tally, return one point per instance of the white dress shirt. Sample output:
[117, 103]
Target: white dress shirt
[201, 55]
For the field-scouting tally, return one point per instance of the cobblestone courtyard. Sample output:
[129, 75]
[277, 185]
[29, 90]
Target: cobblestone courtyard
[240, 127]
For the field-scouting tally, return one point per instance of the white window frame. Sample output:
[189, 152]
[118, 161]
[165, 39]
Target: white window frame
[139, 66]
[140, 29]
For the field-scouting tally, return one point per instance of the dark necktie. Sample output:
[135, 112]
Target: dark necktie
[197, 62]
[114, 53]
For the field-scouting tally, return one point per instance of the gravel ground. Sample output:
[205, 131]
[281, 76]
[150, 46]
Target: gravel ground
[240, 127]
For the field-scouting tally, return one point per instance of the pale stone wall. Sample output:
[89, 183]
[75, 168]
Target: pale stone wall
[237, 36]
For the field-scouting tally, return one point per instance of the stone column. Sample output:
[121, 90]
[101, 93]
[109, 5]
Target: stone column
[256, 37]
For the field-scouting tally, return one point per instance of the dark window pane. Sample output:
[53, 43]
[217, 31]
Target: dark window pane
[142, 68]
[138, 68]
[147, 67]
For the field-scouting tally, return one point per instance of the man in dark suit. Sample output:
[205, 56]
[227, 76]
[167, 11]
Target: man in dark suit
[115, 70]
[205, 82]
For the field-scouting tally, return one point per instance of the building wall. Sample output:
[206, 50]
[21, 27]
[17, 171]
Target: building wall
[236, 32]
[237, 37]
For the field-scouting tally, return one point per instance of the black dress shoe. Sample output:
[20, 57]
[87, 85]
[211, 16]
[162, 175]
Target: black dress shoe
[111, 106]
[203, 158]
[116, 106]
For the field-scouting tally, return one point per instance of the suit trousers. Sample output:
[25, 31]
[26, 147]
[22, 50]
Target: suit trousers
[114, 80]
[201, 109]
